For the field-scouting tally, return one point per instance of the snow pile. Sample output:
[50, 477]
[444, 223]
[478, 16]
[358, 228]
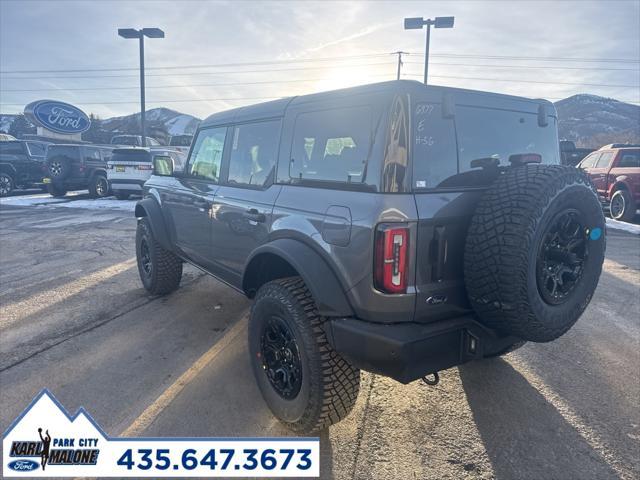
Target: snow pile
[627, 227]
[109, 203]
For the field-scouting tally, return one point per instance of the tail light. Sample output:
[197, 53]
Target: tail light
[391, 259]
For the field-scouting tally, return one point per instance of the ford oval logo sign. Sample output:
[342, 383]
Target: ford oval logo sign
[58, 117]
[23, 465]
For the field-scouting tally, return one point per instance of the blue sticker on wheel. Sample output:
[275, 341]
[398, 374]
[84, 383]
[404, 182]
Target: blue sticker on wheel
[595, 234]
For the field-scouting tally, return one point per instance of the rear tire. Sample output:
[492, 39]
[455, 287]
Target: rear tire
[98, 186]
[307, 385]
[622, 206]
[121, 195]
[56, 190]
[160, 270]
[6, 184]
[534, 251]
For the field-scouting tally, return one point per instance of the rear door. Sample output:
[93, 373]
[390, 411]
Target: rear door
[243, 205]
[454, 160]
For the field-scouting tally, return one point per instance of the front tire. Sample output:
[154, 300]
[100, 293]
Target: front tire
[6, 184]
[307, 385]
[622, 206]
[160, 270]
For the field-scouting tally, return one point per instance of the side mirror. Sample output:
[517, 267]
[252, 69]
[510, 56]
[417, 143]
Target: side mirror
[163, 166]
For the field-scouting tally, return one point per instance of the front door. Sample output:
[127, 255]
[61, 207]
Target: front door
[243, 205]
[189, 205]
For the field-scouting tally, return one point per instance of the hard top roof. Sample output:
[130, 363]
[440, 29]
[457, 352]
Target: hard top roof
[277, 108]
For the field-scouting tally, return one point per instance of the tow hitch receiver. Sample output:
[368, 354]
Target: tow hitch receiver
[432, 379]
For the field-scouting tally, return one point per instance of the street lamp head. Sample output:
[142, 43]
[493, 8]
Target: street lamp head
[444, 22]
[414, 23]
[153, 32]
[129, 33]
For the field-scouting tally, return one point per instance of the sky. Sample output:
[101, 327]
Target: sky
[219, 55]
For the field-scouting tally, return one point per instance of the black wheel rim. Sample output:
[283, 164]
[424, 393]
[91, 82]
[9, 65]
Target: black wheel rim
[281, 358]
[145, 257]
[562, 257]
[5, 184]
[617, 206]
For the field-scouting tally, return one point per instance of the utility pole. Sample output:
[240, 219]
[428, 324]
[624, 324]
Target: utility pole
[399, 53]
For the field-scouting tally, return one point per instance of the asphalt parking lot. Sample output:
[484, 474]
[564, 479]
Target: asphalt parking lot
[75, 319]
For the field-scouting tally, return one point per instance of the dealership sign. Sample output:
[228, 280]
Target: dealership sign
[57, 116]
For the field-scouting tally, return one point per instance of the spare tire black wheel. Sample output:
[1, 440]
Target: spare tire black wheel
[58, 168]
[56, 190]
[534, 251]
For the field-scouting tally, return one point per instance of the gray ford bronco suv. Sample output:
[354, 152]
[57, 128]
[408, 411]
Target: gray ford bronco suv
[397, 228]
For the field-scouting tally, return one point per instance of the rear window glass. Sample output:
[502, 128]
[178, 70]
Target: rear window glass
[443, 148]
[331, 145]
[37, 149]
[630, 159]
[131, 156]
[64, 150]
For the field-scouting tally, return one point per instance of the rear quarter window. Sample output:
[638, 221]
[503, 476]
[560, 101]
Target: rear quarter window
[63, 150]
[629, 159]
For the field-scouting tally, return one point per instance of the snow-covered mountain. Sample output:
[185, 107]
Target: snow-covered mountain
[176, 123]
[591, 121]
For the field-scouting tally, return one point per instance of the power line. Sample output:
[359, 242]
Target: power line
[324, 59]
[304, 80]
[172, 67]
[527, 81]
[165, 101]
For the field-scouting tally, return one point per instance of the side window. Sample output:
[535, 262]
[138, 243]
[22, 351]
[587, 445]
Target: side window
[36, 149]
[630, 159]
[92, 154]
[590, 160]
[107, 153]
[604, 160]
[253, 153]
[206, 155]
[331, 145]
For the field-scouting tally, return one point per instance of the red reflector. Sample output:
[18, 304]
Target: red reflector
[390, 272]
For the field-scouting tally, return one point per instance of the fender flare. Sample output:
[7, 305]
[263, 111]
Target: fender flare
[320, 279]
[149, 208]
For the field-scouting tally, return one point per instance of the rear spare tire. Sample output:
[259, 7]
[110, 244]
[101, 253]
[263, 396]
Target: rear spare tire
[58, 167]
[534, 251]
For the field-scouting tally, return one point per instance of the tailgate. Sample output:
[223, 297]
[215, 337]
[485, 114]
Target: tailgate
[442, 231]
[129, 170]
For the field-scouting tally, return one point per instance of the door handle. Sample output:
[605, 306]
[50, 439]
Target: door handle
[254, 216]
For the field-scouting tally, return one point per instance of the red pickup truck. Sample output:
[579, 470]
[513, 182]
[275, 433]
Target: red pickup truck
[615, 171]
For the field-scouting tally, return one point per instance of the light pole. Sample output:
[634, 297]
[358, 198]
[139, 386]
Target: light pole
[140, 34]
[416, 23]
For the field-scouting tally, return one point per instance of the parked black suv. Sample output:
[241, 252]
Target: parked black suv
[20, 164]
[396, 228]
[69, 167]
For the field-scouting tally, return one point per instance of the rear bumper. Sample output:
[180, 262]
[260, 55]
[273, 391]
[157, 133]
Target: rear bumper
[408, 351]
[125, 184]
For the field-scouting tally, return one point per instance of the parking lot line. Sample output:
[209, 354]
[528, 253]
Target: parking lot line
[147, 417]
